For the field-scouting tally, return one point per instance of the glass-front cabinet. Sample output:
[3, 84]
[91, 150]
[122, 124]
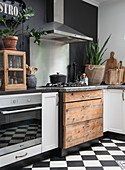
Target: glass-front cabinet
[12, 70]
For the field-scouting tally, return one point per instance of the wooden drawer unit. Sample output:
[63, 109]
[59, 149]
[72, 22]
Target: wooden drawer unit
[82, 132]
[86, 95]
[81, 111]
[82, 117]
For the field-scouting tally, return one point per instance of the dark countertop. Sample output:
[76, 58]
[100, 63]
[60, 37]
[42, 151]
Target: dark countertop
[64, 89]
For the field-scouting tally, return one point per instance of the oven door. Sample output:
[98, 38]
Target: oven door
[20, 127]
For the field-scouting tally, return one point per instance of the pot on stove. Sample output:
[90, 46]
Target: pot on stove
[57, 78]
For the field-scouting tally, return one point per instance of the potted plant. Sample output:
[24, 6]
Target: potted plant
[95, 70]
[10, 33]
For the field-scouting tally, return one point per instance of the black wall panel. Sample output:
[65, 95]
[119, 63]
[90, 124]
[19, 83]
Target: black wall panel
[78, 14]
[84, 18]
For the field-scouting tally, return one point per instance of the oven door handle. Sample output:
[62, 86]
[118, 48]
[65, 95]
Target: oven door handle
[21, 110]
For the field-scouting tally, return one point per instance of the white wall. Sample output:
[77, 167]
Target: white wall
[112, 21]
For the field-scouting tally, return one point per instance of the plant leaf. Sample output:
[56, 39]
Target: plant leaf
[104, 45]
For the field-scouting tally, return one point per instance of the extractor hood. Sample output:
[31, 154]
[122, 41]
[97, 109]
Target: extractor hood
[55, 27]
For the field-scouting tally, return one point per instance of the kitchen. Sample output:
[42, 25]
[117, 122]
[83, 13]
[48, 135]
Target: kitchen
[89, 157]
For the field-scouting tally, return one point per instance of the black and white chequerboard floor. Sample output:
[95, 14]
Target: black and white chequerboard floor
[109, 154]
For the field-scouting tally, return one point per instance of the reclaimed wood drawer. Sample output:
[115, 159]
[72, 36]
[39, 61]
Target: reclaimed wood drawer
[82, 132]
[84, 95]
[81, 111]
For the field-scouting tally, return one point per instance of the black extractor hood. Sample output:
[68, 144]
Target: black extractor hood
[55, 27]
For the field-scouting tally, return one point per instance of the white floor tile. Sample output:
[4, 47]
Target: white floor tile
[122, 148]
[76, 168]
[101, 148]
[92, 164]
[58, 164]
[105, 157]
[30, 166]
[109, 144]
[112, 168]
[87, 153]
[74, 157]
[47, 160]
[117, 141]
[116, 152]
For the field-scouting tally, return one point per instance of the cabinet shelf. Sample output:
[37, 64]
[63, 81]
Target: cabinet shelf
[15, 69]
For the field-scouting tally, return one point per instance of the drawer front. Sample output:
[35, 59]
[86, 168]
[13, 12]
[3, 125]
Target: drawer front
[20, 155]
[82, 132]
[86, 95]
[81, 111]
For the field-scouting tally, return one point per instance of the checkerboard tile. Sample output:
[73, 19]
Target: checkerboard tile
[18, 134]
[105, 156]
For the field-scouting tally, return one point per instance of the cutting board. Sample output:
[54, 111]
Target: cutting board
[111, 64]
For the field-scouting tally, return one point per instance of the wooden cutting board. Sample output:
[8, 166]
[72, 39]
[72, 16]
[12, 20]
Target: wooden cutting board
[111, 64]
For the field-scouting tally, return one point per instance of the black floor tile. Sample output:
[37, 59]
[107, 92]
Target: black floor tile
[109, 163]
[41, 164]
[58, 168]
[106, 141]
[112, 148]
[119, 157]
[89, 157]
[57, 159]
[75, 153]
[75, 164]
[102, 153]
[94, 168]
[120, 144]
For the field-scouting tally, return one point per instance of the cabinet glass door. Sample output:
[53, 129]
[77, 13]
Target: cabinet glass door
[15, 69]
[1, 69]
[15, 61]
[15, 77]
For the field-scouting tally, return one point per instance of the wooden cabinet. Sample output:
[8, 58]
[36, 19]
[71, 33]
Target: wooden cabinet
[82, 117]
[12, 70]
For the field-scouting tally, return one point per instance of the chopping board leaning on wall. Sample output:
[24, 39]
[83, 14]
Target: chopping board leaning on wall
[111, 64]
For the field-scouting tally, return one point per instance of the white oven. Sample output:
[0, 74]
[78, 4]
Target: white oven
[20, 122]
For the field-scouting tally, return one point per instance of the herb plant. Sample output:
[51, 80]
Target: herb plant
[11, 28]
[94, 54]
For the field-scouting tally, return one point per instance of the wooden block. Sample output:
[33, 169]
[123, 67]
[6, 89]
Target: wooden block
[115, 76]
[81, 111]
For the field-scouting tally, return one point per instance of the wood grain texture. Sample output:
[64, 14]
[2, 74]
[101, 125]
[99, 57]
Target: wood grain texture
[81, 111]
[85, 95]
[82, 132]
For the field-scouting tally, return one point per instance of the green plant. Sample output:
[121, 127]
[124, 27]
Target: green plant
[11, 28]
[94, 54]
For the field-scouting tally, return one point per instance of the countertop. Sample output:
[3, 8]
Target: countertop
[64, 89]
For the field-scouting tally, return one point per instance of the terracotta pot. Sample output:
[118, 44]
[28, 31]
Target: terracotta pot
[10, 42]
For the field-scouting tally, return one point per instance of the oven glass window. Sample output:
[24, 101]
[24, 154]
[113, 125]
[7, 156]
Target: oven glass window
[20, 127]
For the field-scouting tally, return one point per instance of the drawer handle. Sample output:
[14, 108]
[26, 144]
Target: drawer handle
[86, 126]
[86, 106]
[85, 95]
[21, 156]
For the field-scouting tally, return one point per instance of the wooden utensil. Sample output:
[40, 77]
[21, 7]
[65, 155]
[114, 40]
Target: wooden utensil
[111, 64]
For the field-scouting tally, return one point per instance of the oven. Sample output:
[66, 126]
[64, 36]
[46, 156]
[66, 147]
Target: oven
[20, 122]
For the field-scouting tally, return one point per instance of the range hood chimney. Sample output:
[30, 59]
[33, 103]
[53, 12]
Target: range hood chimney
[55, 27]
